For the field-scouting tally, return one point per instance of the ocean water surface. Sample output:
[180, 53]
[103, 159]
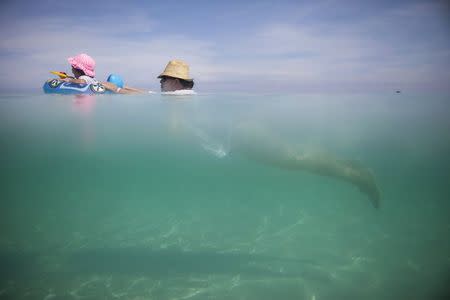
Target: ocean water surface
[173, 197]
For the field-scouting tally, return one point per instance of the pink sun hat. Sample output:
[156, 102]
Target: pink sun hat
[84, 63]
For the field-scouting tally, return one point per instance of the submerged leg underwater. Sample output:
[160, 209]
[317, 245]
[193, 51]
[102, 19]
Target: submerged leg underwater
[263, 145]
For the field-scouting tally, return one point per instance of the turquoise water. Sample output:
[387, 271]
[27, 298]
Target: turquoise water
[165, 197]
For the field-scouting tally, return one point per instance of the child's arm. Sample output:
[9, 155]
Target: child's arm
[74, 80]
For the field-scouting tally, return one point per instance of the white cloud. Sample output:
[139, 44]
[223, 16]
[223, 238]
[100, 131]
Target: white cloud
[352, 53]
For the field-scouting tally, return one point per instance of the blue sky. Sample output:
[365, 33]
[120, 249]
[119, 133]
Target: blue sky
[269, 46]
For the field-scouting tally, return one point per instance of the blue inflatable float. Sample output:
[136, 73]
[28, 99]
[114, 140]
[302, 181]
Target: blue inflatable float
[56, 86]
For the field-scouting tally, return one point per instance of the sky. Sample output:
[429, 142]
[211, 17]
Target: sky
[249, 46]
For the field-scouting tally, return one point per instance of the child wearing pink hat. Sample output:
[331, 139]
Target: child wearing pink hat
[83, 69]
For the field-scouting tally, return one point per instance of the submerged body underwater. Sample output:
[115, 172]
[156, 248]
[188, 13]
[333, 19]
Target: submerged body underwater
[224, 197]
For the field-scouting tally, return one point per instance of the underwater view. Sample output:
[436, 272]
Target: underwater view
[225, 196]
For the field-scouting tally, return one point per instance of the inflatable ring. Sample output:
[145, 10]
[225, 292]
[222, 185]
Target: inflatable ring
[56, 86]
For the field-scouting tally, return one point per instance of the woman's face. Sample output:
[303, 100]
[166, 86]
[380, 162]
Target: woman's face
[170, 84]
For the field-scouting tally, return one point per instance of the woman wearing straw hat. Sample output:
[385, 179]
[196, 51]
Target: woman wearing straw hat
[175, 80]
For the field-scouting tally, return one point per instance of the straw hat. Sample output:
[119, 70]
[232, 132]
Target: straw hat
[177, 69]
